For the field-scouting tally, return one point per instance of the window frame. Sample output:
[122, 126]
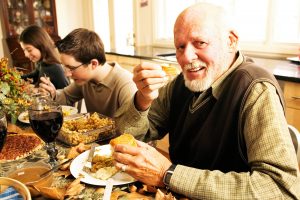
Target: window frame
[268, 48]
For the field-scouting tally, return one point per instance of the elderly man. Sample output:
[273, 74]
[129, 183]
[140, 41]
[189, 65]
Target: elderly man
[225, 118]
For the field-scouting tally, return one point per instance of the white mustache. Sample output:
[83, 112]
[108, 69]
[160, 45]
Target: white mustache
[195, 64]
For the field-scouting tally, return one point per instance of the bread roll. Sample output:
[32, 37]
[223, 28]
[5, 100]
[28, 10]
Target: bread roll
[123, 139]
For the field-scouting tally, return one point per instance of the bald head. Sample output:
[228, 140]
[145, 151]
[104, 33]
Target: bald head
[208, 15]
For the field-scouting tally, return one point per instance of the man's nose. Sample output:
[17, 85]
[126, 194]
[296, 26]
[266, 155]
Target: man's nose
[190, 53]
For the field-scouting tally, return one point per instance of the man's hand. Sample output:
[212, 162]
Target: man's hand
[143, 163]
[46, 85]
[148, 77]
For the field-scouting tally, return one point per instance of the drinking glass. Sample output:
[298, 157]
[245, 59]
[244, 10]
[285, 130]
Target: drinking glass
[46, 119]
[3, 129]
[38, 96]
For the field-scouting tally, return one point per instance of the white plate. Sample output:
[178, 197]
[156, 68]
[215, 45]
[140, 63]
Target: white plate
[23, 117]
[67, 110]
[76, 167]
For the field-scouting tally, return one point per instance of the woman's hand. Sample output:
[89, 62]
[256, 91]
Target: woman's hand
[144, 163]
[148, 78]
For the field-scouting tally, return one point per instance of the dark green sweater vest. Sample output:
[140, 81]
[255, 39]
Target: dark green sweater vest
[210, 137]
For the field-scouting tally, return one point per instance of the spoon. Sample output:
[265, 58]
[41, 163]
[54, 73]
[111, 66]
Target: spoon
[55, 167]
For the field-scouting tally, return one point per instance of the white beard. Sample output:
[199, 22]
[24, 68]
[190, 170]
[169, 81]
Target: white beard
[212, 73]
[200, 85]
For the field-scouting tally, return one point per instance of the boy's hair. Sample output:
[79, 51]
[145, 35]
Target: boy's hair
[40, 39]
[84, 45]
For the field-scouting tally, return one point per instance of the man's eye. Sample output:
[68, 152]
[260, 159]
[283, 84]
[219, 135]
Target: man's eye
[200, 44]
[180, 48]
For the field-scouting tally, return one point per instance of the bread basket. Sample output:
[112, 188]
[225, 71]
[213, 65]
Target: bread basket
[20, 187]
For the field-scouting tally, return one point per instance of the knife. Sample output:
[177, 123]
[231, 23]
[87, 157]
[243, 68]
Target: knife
[88, 163]
[108, 189]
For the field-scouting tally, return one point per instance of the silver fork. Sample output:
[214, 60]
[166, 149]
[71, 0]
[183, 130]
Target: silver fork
[88, 165]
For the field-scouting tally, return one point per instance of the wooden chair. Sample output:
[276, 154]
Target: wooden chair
[296, 140]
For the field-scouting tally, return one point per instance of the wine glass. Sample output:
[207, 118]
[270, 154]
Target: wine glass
[46, 119]
[38, 96]
[3, 129]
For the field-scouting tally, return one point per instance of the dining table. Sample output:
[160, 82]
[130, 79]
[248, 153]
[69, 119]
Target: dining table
[90, 191]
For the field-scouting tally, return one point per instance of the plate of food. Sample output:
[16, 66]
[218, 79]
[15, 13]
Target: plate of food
[67, 110]
[102, 165]
[24, 117]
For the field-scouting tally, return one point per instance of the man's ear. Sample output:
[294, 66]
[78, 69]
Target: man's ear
[94, 62]
[233, 40]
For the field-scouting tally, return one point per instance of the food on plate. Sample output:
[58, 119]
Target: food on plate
[67, 110]
[102, 163]
[25, 116]
[86, 130]
[170, 70]
[19, 145]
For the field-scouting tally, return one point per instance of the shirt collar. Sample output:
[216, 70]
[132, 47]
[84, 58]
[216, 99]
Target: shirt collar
[218, 85]
[108, 81]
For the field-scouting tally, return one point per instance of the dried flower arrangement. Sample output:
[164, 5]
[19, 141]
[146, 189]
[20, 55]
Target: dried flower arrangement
[14, 97]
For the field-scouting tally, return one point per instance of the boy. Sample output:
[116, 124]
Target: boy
[105, 87]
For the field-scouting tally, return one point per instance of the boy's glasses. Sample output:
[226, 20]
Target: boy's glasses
[72, 69]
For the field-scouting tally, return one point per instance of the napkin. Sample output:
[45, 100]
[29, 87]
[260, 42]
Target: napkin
[10, 194]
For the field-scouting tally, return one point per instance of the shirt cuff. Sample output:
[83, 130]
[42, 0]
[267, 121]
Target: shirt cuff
[136, 113]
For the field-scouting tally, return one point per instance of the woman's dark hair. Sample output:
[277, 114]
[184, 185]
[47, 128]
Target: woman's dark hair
[84, 45]
[40, 39]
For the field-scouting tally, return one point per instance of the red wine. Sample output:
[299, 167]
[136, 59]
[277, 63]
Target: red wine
[46, 125]
[3, 132]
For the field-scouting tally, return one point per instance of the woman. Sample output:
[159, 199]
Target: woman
[40, 49]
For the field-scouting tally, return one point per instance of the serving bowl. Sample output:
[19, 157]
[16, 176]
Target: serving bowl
[87, 129]
[29, 174]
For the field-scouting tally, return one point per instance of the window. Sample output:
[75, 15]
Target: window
[264, 26]
[101, 21]
[123, 23]
[114, 26]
